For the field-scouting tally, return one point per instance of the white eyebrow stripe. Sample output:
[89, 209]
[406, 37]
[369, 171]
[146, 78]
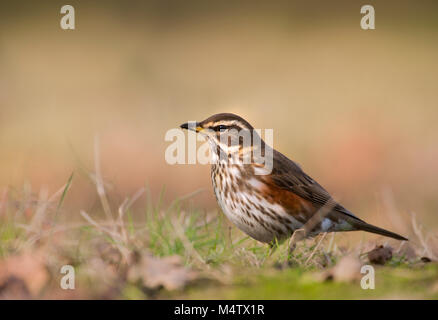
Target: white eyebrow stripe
[227, 122]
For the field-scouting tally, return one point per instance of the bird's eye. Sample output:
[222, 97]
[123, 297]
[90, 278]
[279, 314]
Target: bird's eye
[220, 127]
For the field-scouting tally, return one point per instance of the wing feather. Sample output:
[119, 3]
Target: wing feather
[287, 175]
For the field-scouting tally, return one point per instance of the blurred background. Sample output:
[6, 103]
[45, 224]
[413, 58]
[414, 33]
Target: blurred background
[357, 109]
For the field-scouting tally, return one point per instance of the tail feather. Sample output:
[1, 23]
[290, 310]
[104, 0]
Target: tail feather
[373, 229]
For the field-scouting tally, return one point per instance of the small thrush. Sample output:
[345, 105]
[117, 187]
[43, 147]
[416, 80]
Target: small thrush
[264, 193]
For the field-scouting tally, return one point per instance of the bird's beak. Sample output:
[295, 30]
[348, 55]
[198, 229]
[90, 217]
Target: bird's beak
[194, 126]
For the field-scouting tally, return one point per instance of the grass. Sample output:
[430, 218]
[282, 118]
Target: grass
[296, 283]
[228, 264]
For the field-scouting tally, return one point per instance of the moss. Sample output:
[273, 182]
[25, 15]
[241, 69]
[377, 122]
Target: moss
[296, 283]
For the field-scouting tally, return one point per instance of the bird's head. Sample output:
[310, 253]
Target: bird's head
[227, 133]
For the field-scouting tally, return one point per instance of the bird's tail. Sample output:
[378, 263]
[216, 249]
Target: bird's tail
[373, 229]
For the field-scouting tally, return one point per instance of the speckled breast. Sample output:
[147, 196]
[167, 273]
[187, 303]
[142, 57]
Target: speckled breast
[243, 203]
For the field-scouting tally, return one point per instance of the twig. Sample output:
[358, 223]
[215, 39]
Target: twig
[187, 244]
[418, 232]
[127, 203]
[316, 248]
[99, 227]
[99, 181]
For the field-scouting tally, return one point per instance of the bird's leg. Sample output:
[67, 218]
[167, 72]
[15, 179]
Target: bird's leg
[297, 235]
[291, 249]
[273, 245]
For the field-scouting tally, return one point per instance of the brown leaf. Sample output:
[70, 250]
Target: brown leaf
[346, 270]
[109, 253]
[380, 255]
[167, 272]
[426, 259]
[435, 287]
[23, 274]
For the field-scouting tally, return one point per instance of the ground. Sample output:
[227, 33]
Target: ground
[181, 253]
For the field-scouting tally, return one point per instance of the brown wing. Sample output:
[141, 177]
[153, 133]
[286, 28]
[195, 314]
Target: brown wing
[287, 175]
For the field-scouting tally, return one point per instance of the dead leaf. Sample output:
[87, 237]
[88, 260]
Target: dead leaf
[14, 288]
[380, 255]
[27, 272]
[109, 253]
[435, 287]
[168, 272]
[346, 270]
[426, 259]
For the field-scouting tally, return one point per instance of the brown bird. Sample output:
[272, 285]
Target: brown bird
[265, 194]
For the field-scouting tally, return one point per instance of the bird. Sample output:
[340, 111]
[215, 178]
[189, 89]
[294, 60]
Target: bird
[264, 193]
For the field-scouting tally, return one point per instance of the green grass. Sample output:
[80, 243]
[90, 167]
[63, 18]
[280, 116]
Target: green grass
[230, 265]
[296, 283]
